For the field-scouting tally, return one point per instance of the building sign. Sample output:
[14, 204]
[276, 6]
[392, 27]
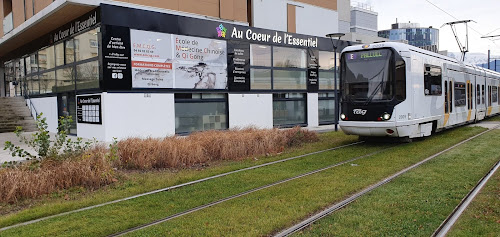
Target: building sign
[312, 70]
[238, 66]
[283, 38]
[88, 109]
[116, 57]
[151, 59]
[83, 23]
[162, 60]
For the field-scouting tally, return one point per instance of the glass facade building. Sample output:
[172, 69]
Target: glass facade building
[418, 37]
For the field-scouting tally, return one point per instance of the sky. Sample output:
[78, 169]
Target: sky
[485, 12]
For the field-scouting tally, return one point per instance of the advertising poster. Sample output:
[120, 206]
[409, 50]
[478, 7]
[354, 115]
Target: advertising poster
[116, 68]
[199, 63]
[88, 109]
[151, 60]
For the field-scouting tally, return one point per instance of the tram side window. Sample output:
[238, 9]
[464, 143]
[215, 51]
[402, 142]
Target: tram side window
[494, 94]
[460, 96]
[478, 94]
[482, 94]
[432, 80]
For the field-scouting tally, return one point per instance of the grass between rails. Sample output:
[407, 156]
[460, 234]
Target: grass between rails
[133, 183]
[482, 217]
[416, 203]
[268, 211]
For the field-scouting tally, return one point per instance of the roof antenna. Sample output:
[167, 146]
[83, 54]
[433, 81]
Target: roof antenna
[463, 49]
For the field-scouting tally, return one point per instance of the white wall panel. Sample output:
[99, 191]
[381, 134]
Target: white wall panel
[47, 106]
[250, 110]
[312, 20]
[312, 110]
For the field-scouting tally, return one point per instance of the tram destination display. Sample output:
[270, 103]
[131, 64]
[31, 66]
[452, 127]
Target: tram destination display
[88, 109]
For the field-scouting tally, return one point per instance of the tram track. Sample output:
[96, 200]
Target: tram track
[448, 223]
[339, 205]
[159, 221]
[177, 186]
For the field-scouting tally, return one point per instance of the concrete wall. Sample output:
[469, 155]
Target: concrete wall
[312, 110]
[250, 110]
[47, 106]
[312, 20]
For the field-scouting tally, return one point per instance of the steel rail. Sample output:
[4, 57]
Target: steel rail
[176, 186]
[443, 229]
[352, 198]
[243, 194]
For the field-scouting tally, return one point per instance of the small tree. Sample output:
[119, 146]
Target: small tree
[60, 148]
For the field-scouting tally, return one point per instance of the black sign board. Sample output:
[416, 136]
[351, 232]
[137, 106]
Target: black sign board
[76, 26]
[88, 109]
[312, 70]
[116, 56]
[238, 66]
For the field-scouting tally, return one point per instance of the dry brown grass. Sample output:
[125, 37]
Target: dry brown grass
[91, 170]
[203, 147]
[94, 168]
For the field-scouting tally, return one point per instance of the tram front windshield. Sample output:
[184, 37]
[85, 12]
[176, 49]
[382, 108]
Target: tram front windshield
[366, 76]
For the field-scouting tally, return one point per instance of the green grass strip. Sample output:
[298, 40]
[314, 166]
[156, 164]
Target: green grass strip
[273, 209]
[115, 217]
[416, 203]
[141, 182]
[482, 217]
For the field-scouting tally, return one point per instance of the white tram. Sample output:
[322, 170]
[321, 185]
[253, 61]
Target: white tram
[397, 90]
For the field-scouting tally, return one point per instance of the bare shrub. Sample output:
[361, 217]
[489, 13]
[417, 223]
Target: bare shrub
[90, 170]
[202, 147]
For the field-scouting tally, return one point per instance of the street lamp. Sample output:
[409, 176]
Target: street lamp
[337, 36]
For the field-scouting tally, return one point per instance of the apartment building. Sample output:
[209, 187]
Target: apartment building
[163, 67]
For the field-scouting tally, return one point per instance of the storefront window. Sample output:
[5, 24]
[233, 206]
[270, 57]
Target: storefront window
[87, 76]
[59, 48]
[35, 85]
[86, 45]
[260, 55]
[65, 79]
[260, 79]
[48, 82]
[33, 62]
[289, 57]
[289, 109]
[289, 80]
[69, 51]
[326, 80]
[199, 112]
[326, 60]
[46, 58]
[326, 108]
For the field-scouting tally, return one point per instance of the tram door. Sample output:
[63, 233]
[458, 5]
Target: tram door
[447, 102]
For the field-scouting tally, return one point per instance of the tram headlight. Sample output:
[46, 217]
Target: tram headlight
[386, 116]
[342, 116]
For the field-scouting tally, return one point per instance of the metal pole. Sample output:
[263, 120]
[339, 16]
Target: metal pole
[336, 88]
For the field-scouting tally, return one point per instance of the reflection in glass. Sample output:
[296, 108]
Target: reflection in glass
[326, 110]
[326, 60]
[87, 76]
[86, 45]
[65, 79]
[326, 80]
[46, 58]
[59, 54]
[260, 55]
[48, 82]
[35, 86]
[289, 112]
[70, 51]
[289, 57]
[199, 116]
[33, 62]
[289, 80]
[260, 79]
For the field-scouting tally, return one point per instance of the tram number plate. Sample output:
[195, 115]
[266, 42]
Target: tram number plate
[402, 117]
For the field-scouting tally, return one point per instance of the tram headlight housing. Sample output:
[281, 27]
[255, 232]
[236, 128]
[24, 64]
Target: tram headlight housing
[342, 116]
[386, 116]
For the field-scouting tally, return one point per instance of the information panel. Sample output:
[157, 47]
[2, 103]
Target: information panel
[312, 70]
[162, 60]
[88, 109]
[238, 66]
